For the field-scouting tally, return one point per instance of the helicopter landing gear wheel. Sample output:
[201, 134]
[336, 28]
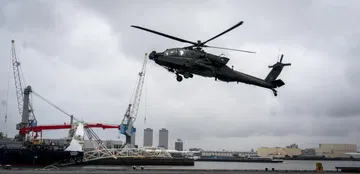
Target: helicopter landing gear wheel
[275, 92]
[179, 78]
[187, 75]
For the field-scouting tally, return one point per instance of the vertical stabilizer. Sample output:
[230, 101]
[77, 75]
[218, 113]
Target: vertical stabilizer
[275, 72]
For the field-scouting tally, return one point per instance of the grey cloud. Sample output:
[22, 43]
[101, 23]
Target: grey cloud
[30, 21]
[84, 56]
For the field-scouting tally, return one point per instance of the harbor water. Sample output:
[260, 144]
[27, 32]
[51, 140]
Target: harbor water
[286, 165]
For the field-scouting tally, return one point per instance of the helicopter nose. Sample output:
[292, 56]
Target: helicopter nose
[152, 55]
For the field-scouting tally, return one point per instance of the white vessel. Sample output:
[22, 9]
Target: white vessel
[354, 154]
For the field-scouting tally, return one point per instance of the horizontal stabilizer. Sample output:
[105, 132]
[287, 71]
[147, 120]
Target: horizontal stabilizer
[277, 83]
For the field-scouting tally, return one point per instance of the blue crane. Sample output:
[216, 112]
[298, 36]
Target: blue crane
[127, 125]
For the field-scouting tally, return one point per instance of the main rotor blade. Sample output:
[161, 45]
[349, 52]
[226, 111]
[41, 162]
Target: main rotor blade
[165, 35]
[235, 26]
[229, 49]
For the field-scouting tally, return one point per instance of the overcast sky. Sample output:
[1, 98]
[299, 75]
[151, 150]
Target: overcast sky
[84, 57]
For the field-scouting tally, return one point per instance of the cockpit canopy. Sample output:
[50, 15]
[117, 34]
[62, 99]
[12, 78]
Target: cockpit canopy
[175, 52]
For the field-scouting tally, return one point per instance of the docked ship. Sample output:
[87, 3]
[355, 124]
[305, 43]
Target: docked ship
[21, 150]
[15, 152]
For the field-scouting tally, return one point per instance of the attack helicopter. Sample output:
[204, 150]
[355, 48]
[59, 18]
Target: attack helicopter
[191, 60]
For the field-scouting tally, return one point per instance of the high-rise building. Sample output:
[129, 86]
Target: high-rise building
[148, 137]
[133, 138]
[179, 145]
[163, 138]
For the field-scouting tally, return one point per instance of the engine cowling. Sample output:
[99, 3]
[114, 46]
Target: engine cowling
[217, 60]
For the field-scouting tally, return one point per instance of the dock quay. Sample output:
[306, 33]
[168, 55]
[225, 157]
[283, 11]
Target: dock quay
[157, 171]
[348, 169]
[131, 161]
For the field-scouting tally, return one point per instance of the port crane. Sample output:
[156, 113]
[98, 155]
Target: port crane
[127, 125]
[22, 95]
[29, 123]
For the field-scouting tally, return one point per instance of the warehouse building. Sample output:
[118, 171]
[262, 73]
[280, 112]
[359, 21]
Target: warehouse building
[278, 152]
[335, 150]
[327, 150]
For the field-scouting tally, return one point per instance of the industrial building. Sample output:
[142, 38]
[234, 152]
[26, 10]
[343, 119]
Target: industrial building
[148, 137]
[179, 145]
[292, 150]
[308, 152]
[327, 150]
[335, 150]
[163, 138]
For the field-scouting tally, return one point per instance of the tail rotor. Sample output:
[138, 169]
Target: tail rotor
[279, 63]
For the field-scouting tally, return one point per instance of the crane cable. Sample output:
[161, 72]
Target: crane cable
[88, 131]
[145, 96]
[5, 103]
[53, 105]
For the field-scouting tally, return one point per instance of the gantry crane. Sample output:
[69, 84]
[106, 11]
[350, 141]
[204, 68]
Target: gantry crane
[22, 95]
[126, 127]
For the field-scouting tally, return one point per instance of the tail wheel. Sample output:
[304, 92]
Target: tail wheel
[275, 92]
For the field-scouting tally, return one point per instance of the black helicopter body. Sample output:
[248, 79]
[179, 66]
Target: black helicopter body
[193, 60]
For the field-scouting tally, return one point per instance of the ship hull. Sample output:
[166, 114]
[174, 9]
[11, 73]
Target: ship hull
[31, 157]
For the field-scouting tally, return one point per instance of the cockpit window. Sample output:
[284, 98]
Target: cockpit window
[174, 52]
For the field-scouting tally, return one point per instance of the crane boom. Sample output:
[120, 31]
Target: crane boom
[131, 113]
[17, 78]
[20, 90]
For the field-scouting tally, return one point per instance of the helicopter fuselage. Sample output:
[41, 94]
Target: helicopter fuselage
[188, 62]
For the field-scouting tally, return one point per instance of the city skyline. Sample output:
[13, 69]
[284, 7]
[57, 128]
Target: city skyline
[148, 137]
[163, 138]
[179, 145]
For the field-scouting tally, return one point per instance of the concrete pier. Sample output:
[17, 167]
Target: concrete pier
[135, 172]
[157, 171]
[130, 161]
